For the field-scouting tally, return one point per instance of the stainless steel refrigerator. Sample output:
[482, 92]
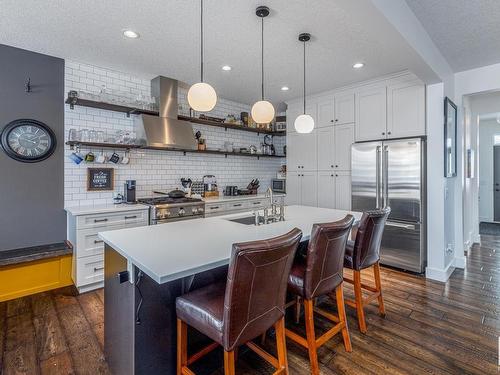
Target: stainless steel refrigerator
[392, 173]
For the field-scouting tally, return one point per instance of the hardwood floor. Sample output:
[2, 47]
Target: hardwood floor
[430, 327]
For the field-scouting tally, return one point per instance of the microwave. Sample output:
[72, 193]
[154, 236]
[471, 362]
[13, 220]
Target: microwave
[278, 185]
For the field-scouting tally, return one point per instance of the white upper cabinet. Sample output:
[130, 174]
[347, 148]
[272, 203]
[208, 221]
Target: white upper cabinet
[301, 151]
[344, 109]
[405, 110]
[344, 138]
[326, 148]
[371, 114]
[325, 112]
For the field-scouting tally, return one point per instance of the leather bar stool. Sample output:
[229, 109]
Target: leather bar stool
[235, 312]
[318, 274]
[362, 253]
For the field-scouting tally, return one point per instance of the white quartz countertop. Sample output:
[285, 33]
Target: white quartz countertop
[104, 208]
[170, 251]
[225, 198]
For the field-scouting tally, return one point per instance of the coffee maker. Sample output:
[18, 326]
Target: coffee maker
[129, 191]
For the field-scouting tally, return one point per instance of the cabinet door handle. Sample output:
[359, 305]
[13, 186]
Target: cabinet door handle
[98, 269]
[259, 202]
[131, 217]
[336, 120]
[331, 175]
[389, 133]
[336, 166]
[237, 205]
[214, 207]
[383, 133]
[331, 166]
[331, 120]
[100, 220]
[98, 241]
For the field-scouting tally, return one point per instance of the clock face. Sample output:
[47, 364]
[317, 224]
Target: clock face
[28, 140]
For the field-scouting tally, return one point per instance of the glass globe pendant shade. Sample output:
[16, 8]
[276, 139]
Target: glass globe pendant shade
[304, 124]
[262, 112]
[202, 97]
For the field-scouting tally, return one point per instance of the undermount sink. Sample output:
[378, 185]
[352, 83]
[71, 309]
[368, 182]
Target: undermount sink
[247, 220]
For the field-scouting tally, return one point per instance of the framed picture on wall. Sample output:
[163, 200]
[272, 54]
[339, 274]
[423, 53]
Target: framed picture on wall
[450, 138]
[100, 179]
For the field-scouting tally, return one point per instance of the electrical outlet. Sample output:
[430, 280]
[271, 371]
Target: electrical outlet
[449, 249]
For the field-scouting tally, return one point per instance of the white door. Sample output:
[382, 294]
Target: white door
[292, 188]
[309, 188]
[326, 189]
[325, 112]
[344, 138]
[405, 110]
[371, 114]
[293, 151]
[307, 155]
[326, 148]
[344, 109]
[343, 190]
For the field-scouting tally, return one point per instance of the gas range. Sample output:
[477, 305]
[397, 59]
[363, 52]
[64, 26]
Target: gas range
[166, 209]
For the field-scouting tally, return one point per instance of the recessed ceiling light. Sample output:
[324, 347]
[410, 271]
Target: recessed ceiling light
[130, 34]
[358, 65]
[285, 88]
[227, 68]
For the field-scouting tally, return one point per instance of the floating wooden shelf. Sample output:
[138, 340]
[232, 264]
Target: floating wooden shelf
[137, 111]
[122, 146]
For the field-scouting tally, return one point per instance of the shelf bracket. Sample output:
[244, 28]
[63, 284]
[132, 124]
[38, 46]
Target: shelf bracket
[128, 114]
[225, 155]
[184, 152]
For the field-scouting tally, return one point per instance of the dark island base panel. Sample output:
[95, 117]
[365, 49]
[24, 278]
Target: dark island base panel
[140, 341]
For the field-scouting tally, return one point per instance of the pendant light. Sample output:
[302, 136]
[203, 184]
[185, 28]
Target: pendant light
[262, 111]
[201, 96]
[304, 123]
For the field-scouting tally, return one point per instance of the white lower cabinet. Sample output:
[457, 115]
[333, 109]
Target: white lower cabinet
[235, 205]
[302, 188]
[88, 248]
[334, 190]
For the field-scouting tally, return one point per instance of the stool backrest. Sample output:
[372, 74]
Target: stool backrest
[256, 287]
[366, 250]
[325, 257]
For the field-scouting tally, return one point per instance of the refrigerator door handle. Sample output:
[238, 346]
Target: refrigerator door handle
[400, 225]
[378, 183]
[385, 175]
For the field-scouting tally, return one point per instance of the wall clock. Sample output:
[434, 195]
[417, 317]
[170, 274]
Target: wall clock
[28, 141]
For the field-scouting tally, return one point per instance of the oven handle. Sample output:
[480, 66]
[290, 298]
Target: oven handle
[400, 225]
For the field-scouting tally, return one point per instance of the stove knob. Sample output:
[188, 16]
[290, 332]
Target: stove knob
[166, 214]
[181, 211]
[200, 210]
[194, 211]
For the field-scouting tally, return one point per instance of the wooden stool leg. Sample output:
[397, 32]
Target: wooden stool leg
[359, 301]
[229, 368]
[297, 310]
[281, 345]
[339, 293]
[181, 346]
[378, 286]
[311, 337]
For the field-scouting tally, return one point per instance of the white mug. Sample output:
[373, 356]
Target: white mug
[125, 160]
[100, 158]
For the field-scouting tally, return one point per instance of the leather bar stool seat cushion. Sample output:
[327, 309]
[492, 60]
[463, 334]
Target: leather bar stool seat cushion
[297, 276]
[203, 309]
[349, 250]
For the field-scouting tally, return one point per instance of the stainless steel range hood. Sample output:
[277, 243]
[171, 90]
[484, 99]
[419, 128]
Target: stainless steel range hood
[165, 131]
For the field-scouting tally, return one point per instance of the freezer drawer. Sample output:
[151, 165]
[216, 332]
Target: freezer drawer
[403, 246]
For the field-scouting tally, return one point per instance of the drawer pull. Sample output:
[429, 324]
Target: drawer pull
[98, 269]
[237, 205]
[131, 217]
[98, 241]
[256, 202]
[100, 220]
[214, 207]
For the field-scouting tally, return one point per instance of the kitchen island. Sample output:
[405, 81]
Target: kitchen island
[147, 268]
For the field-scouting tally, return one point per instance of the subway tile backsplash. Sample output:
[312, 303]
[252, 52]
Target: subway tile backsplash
[155, 170]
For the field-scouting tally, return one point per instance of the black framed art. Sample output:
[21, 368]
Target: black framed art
[450, 138]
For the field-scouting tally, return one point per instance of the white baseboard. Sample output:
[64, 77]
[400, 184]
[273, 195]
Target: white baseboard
[459, 262]
[439, 274]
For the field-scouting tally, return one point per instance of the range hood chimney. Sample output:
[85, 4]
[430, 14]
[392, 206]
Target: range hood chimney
[165, 131]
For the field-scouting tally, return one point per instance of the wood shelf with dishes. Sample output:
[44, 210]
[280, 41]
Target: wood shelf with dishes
[185, 151]
[73, 100]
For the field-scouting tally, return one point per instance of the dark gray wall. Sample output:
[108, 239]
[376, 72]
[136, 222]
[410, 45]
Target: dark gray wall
[32, 194]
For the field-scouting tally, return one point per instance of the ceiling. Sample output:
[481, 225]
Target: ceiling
[467, 32]
[344, 32]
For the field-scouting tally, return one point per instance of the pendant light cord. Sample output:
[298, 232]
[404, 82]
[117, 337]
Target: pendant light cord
[262, 58]
[201, 44]
[304, 77]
